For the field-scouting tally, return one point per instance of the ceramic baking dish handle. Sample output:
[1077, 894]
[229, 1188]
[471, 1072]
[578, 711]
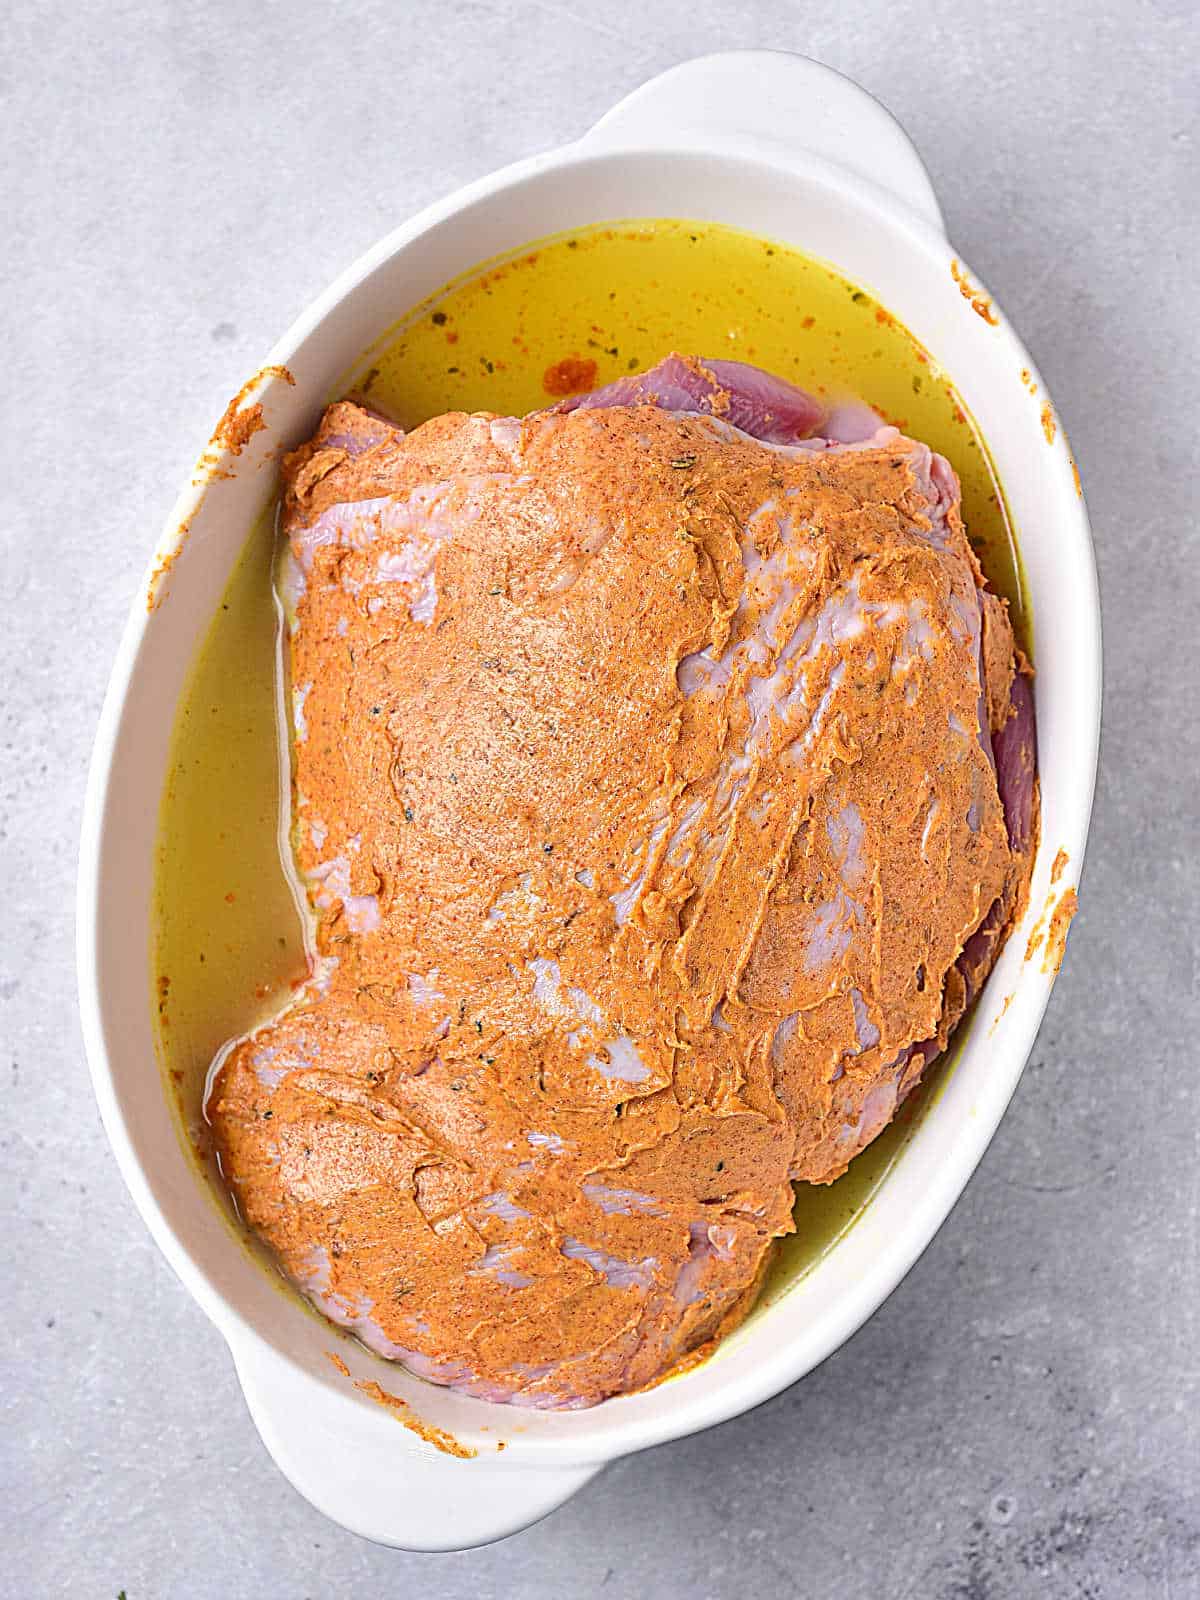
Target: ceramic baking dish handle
[775, 98]
[360, 1467]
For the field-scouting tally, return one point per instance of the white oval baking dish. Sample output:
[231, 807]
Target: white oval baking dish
[786, 148]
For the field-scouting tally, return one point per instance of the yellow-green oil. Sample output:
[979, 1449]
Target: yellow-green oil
[228, 936]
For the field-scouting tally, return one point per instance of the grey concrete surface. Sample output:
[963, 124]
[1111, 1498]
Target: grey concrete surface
[1020, 1418]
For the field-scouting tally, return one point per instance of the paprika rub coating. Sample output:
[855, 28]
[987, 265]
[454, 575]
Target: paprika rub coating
[645, 793]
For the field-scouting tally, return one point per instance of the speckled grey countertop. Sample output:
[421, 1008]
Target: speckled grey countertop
[1021, 1417]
